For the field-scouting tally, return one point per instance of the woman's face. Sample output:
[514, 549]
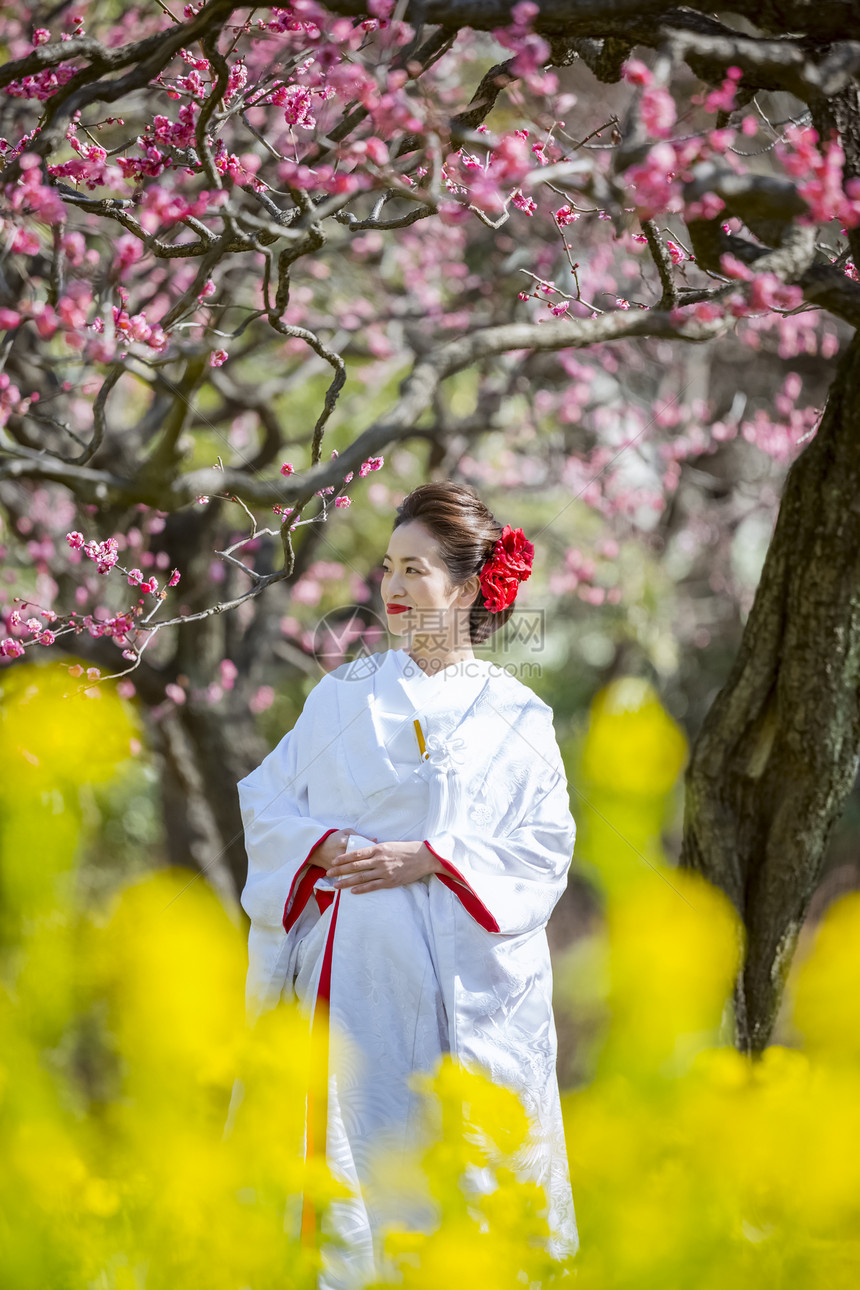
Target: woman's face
[415, 577]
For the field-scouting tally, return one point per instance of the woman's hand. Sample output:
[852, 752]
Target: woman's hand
[388, 864]
[325, 853]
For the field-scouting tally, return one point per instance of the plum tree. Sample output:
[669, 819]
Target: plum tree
[232, 231]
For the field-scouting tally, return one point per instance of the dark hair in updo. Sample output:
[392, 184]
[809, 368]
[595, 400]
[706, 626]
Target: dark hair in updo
[467, 533]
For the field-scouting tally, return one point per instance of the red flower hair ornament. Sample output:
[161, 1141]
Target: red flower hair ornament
[508, 566]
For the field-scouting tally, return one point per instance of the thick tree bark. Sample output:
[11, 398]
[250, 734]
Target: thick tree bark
[778, 752]
[820, 19]
[204, 750]
[202, 758]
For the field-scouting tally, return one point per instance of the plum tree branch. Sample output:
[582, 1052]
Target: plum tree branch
[417, 393]
[767, 205]
[825, 20]
[147, 58]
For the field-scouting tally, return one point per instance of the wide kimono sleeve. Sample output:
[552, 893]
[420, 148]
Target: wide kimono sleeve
[280, 834]
[509, 878]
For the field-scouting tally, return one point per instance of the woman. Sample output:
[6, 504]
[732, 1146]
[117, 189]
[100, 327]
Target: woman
[407, 842]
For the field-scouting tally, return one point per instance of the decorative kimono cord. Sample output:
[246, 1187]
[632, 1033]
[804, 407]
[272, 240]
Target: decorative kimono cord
[441, 757]
[316, 1122]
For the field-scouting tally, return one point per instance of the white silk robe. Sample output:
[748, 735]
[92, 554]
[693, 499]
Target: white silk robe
[456, 962]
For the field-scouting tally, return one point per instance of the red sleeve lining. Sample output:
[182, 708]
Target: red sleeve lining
[300, 894]
[467, 896]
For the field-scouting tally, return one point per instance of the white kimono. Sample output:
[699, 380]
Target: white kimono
[452, 963]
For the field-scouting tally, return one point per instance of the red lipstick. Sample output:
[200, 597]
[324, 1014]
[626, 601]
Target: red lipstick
[396, 609]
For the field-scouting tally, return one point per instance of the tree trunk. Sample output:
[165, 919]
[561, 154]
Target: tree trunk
[778, 751]
[202, 757]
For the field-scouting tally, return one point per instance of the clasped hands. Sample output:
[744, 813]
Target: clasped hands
[385, 864]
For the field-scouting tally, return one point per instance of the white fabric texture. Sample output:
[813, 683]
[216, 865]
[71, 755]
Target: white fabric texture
[433, 966]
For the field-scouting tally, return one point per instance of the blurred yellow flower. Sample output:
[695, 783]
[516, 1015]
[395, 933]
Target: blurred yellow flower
[124, 1042]
[632, 745]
